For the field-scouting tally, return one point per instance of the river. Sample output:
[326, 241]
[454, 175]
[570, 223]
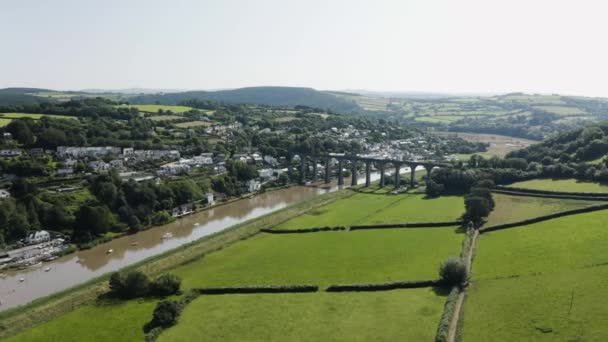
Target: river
[66, 272]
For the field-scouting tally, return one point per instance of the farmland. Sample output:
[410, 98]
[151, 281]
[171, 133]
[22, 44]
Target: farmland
[326, 258]
[517, 208]
[500, 145]
[374, 209]
[155, 108]
[557, 265]
[191, 124]
[34, 116]
[378, 316]
[564, 185]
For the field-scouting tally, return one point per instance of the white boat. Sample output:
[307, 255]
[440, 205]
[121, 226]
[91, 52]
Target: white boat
[167, 235]
[47, 269]
[109, 251]
[134, 244]
[21, 280]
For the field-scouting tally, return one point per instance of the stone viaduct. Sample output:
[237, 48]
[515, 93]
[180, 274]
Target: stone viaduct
[354, 162]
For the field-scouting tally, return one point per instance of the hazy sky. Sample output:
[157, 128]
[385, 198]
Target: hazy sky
[432, 45]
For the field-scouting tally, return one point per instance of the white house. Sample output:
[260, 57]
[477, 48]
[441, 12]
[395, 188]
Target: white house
[38, 237]
[209, 198]
[253, 185]
[4, 193]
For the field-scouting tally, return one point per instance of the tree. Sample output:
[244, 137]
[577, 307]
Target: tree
[51, 138]
[434, 189]
[165, 314]
[476, 208]
[165, 285]
[91, 221]
[453, 272]
[134, 284]
[21, 131]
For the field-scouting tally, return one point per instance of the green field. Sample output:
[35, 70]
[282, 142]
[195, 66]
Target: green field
[191, 124]
[400, 315]
[165, 117]
[566, 305]
[373, 208]
[562, 110]
[155, 108]
[567, 185]
[4, 122]
[565, 243]
[34, 116]
[122, 321]
[326, 258]
[517, 208]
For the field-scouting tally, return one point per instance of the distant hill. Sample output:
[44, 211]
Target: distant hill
[21, 96]
[275, 96]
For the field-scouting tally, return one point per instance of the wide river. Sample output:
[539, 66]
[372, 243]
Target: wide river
[66, 272]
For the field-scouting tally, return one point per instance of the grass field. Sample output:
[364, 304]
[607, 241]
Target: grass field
[155, 108]
[562, 110]
[401, 315]
[565, 185]
[561, 244]
[372, 209]
[517, 208]
[191, 124]
[326, 258]
[4, 122]
[567, 306]
[165, 117]
[109, 322]
[34, 116]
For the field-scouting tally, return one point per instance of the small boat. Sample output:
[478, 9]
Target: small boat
[79, 261]
[49, 258]
[47, 269]
[29, 264]
[109, 251]
[167, 235]
[3, 275]
[134, 244]
[21, 280]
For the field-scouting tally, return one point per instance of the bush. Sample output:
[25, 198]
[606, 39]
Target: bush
[166, 285]
[132, 285]
[453, 272]
[165, 314]
[434, 189]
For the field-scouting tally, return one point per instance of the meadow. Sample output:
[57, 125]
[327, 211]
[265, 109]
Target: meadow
[560, 244]
[119, 321]
[165, 117]
[34, 116]
[155, 108]
[327, 258]
[400, 315]
[374, 209]
[561, 306]
[565, 185]
[191, 124]
[517, 208]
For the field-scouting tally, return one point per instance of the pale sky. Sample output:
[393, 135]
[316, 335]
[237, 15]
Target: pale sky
[399, 45]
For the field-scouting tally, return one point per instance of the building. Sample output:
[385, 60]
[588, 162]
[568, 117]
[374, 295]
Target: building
[99, 166]
[93, 151]
[266, 174]
[4, 194]
[38, 237]
[209, 198]
[11, 152]
[253, 185]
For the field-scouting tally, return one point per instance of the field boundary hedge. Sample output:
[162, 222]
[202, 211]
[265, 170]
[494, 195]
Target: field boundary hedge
[414, 284]
[407, 225]
[258, 289]
[443, 330]
[302, 230]
[550, 192]
[548, 195]
[363, 227]
[544, 218]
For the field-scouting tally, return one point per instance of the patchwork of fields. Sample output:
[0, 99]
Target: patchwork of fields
[564, 185]
[539, 282]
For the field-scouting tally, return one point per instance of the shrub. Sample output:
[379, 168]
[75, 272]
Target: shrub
[453, 272]
[434, 189]
[165, 285]
[132, 285]
[165, 314]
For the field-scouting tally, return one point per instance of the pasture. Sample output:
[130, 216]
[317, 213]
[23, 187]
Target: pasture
[34, 116]
[400, 315]
[562, 244]
[120, 321]
[191, 124]
[564, 185]
[370, 256]
[148, 108]
[165, 118]
[559, 306]
[500, 145]
[374, 208]
[517, 208]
